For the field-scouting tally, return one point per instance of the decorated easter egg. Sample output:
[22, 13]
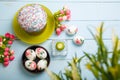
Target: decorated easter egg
[78, 40]
[71, 30]
[30, 65]
[42, 64]
[41, 53]
[30, 54]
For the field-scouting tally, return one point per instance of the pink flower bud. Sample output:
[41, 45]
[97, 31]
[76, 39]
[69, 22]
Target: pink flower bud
[64, 18]
[60, 18]
[12, 37]
[12, 58]
[7, 35]
[58, 31]
[6, 59]
[10, 42]
[1, 44]
[12, 52]
[68, 17]
[6, 63]
[0, 39]
[63, 27]
[7, 49]
[6, 53]
[61, 11]
[68, 12]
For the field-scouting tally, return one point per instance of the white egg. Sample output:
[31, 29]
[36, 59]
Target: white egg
[30, 65]
[30, 54]
[41, 53]
[78, 40]
[71, 30]
[42, 64]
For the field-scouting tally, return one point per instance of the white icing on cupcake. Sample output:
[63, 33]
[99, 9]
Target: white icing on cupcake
[30, 54]
[30, 65]
[42, 64]
[32, 18]
[41, 53]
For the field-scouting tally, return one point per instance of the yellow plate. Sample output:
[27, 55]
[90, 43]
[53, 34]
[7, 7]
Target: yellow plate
[35, 39]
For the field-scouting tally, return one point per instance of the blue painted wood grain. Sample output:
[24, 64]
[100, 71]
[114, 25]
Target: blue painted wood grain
[85, 13]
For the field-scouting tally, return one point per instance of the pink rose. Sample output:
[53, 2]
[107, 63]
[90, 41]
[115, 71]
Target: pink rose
[10, 42]
[68, 17]
[0, 39]
[6, 59]
[1, 44]
[58, 31]
[12, 58]
[12, 52]
[7, 49]
[6, 63]
[63, 27]
[68, 12]
[7, 35]
[64, 17]
[61, 11]
[12, 36]
[6, 53]
[60, 19]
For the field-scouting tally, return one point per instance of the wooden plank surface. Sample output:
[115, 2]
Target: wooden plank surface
[85, 14]
[86, 11]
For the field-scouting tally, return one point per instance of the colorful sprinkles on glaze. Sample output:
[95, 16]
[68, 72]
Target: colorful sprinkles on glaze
[32, 18]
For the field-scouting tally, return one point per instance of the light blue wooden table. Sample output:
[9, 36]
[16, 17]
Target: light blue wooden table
[85, 13]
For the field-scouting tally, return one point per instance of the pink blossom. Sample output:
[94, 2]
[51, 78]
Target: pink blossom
[68, 12]
[63, 27]
[12, 52]
[6, 53]
[61, 11]
[7, 35]
[58, 31]
[68, 17]
[12, 36]
[11, 57]
[10, 42]
[7, 49]
[64, 17]
[1, 44]
[6, 59]
[60, 18]
[6, 63]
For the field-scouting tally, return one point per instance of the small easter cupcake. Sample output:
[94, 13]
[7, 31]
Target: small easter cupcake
[30, 54]
[30, 65]
[42, 64]
[41, 53]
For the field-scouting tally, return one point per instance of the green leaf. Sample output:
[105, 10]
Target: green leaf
[52, 75]
[68, 74]
[115, 56]
[75, 71]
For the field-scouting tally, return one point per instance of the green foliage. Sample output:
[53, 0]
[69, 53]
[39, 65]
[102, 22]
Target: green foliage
[72, 72]
[102, 66]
